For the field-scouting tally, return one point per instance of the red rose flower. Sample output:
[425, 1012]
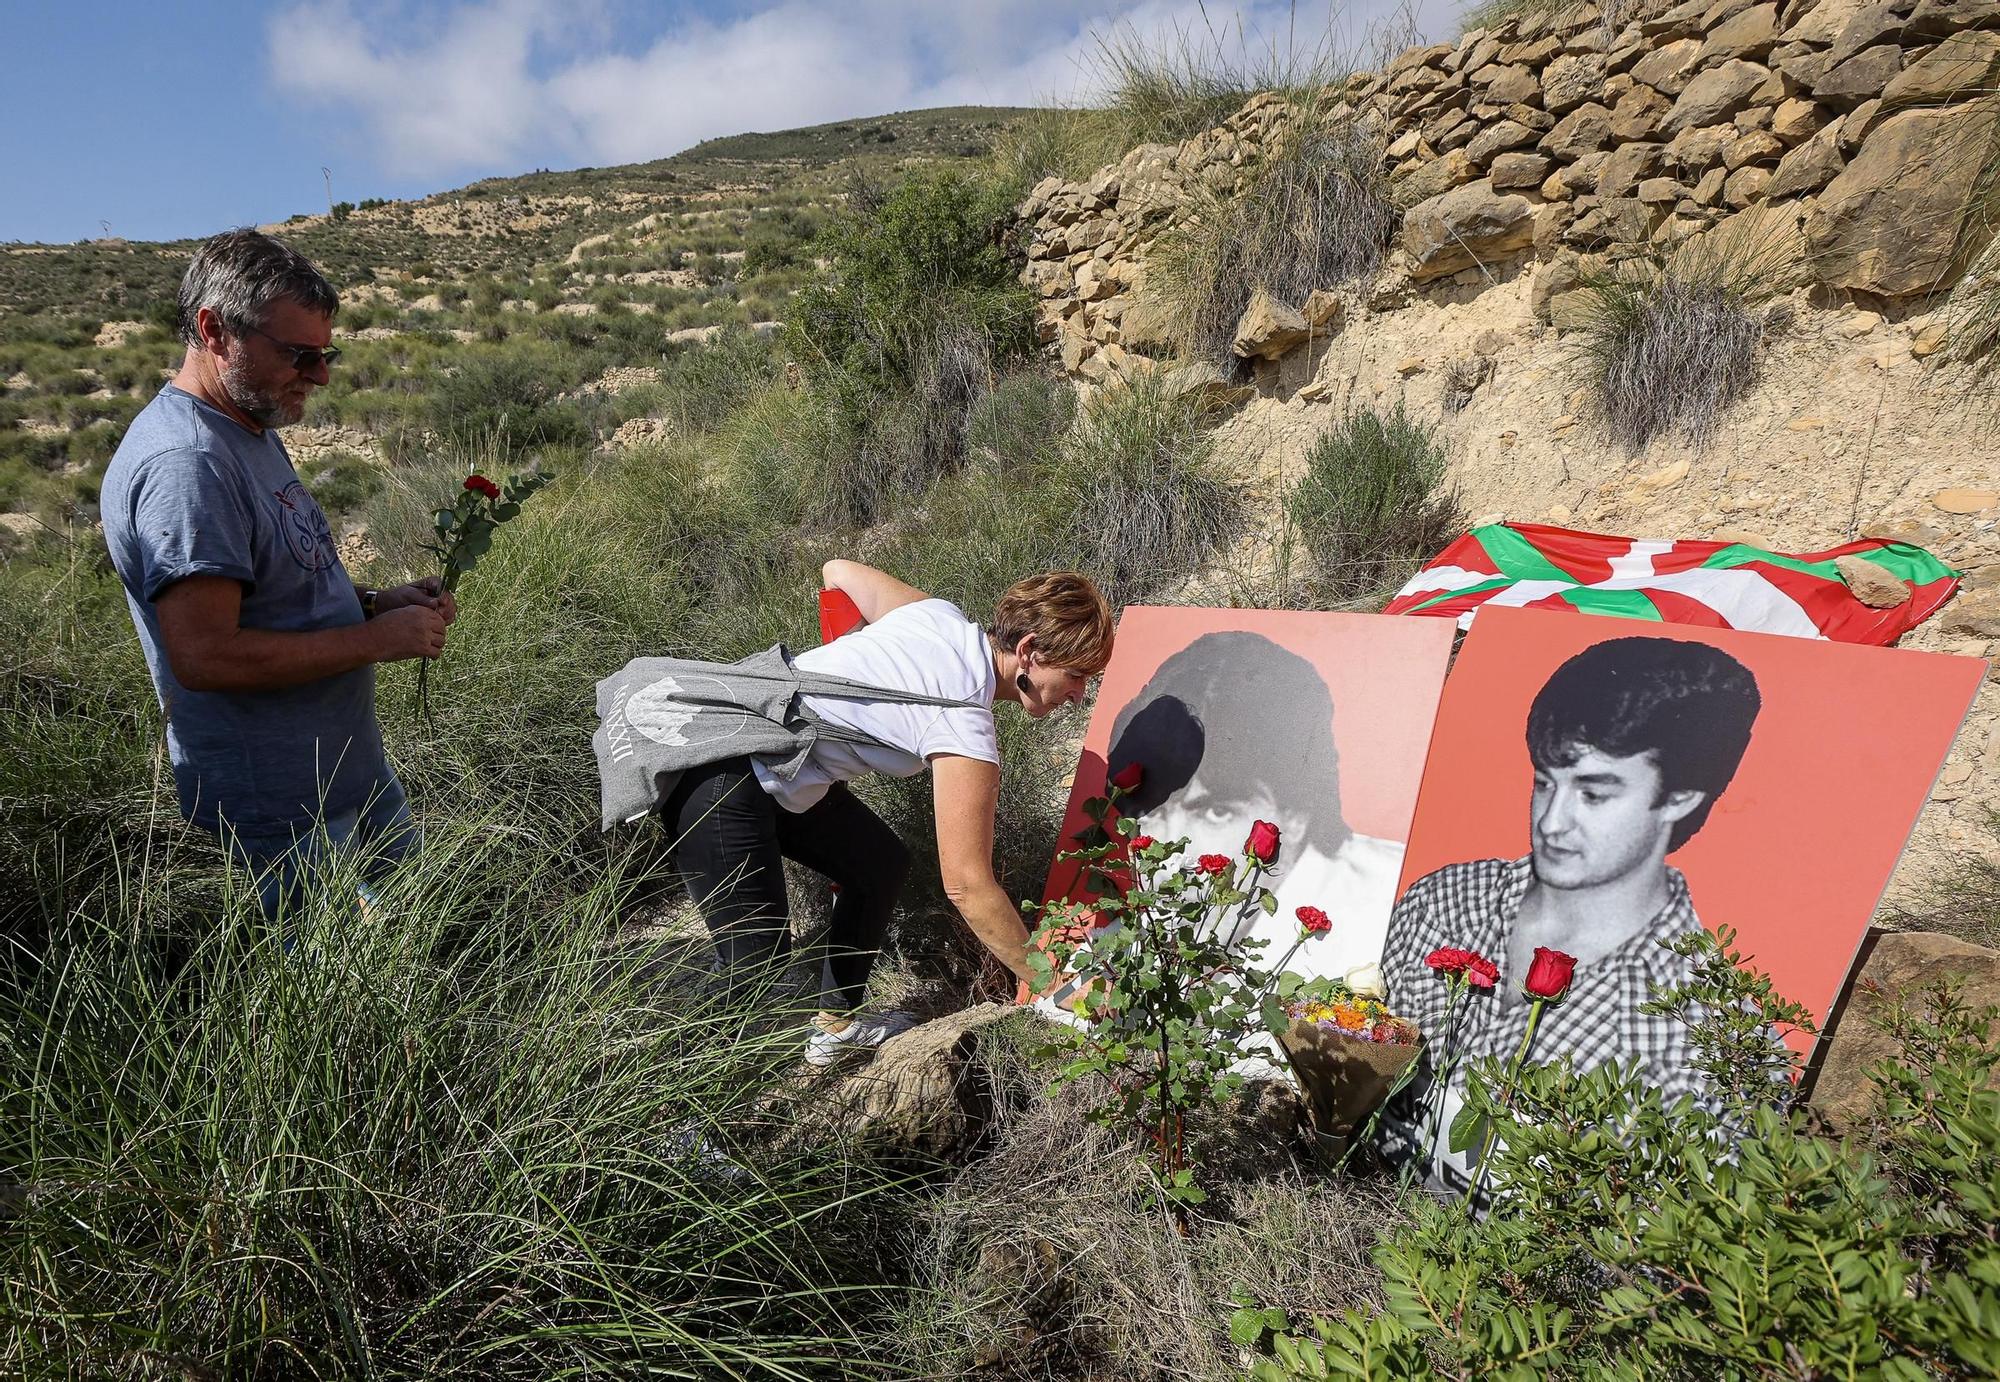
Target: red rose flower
[479, 484]
[1129, 777]
[1316, 922]
[1263, 842]
[1140, 842]
[1482, 973]
[1449, 959]
[1213, 863]
[1548, 974]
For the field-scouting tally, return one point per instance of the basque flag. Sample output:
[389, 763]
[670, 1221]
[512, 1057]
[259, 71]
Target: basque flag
[1719, 584]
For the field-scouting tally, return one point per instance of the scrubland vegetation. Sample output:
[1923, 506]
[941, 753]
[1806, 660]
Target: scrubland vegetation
[495, 1127]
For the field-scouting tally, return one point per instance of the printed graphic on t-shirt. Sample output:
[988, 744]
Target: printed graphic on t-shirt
[305, 528]
[667, 713]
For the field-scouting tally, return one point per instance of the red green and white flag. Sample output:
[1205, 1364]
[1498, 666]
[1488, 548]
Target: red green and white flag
[1720, 584]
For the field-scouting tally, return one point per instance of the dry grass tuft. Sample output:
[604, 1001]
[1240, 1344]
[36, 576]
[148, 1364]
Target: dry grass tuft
[1316, 214]
[1372, 504]
[1672, 335]
[1047, 1261]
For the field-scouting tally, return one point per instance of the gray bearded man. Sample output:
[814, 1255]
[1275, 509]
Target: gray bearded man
[1632, 740]
[261, 648]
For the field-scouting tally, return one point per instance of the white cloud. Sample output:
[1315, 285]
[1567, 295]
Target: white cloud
[498, 85]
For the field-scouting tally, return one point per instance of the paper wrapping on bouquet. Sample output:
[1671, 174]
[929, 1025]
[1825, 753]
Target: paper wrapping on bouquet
[1345, 1078]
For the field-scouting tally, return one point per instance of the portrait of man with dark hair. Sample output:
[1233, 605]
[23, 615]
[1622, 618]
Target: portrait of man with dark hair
[1632, 741]
[1234, 729]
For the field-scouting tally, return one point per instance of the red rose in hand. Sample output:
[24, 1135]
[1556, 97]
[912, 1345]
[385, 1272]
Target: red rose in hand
[1482, 973]
[1316, 922]
[479, 484]
[1140, 842]
[1213, 863]
[1263, 842]
[1129, 777]
[1449, 959]
[1548, 974]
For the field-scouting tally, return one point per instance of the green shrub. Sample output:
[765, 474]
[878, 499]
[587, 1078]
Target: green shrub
[509, 395]
[342, 481]
[1372, 504]
[1316, 214]
[1138, 480]
[1670, 337]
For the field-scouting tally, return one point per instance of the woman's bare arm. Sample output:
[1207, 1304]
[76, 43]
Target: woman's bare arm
[874, 592]
[966, 792]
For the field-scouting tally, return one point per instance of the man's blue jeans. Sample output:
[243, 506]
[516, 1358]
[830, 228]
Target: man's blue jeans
[379, 833]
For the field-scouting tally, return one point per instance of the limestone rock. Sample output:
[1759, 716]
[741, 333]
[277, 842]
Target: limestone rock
[1745, 186]
[1943, 18]
[1974, 614]
[1755, 147]
[1901, 963]
[1868, 26]
[1628, 166]
[1557, 293]
[1811, 166]
[1887, 223]
[1661, 191]
[1961, 67]
[1496, 138]
[1965, 500]
[1872, 585]
[1693, 150]
[1584, 130]
[1715, 95]
[1638, 114]
[1750, 34]
[1520, 169]
[1569, 81]
[1669, 67]
[1208, 386]
[1822, 23]
[1268, 328]
[1323, 311]
[1796, 120]
[1468, 225]
[1414, 183]
[1508, 84]
[1860, 78]
[1146, 324]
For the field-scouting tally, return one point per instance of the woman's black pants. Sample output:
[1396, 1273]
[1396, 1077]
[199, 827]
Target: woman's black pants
[731, 840]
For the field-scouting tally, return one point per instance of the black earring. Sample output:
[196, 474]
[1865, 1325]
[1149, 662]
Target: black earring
[1021, 681]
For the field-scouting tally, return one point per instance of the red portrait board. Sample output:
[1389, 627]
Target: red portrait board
[1258, 699]
[1797, 848]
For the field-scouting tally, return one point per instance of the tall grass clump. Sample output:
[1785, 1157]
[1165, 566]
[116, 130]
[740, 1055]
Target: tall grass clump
[1670, 337]
[1316, 214]
[1144, 504]
[462, 1134]
[1972, 311]
[1373, 503]
[1069, 142]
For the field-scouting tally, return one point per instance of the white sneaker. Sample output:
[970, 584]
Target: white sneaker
[865, 1032]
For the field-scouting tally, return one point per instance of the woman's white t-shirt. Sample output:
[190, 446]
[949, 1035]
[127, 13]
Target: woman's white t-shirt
[928, 646]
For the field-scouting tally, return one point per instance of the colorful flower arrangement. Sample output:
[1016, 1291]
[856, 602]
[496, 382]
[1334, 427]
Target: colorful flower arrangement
[1361, 1016]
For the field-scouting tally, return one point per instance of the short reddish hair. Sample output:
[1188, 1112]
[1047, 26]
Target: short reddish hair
[1067, 614]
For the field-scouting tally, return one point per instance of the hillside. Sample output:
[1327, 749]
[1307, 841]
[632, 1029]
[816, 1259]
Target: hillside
[711, 236]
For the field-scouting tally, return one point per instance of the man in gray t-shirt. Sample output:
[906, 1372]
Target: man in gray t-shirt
[261, 648]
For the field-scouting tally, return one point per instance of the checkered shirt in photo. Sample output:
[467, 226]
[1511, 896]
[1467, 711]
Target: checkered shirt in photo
[1474, 905]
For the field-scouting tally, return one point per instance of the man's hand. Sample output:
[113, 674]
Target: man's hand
[429, 593]
[413, 630]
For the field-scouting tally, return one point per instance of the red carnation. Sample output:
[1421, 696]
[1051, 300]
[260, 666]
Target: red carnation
[1140, 842]
[1482, 973]
[1129, 777]
[1213, 863]
[1316, 922]
[1549, 974]
[1449, 959]
[1263, 842]
[479, 484]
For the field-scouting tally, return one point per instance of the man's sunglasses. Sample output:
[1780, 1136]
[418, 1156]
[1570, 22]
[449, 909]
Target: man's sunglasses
[303, 357]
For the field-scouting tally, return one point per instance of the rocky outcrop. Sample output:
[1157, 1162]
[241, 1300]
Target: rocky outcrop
[1901, 965]
[1547, 135]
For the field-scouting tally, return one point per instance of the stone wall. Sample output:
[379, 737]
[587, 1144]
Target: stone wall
[1855, 128]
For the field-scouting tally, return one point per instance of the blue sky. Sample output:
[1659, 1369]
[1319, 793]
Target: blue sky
[166, 120]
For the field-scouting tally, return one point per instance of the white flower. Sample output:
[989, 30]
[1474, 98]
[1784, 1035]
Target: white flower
[1366, 980]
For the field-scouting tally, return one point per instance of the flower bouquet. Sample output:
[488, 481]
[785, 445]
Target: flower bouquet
[1350, 1054]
